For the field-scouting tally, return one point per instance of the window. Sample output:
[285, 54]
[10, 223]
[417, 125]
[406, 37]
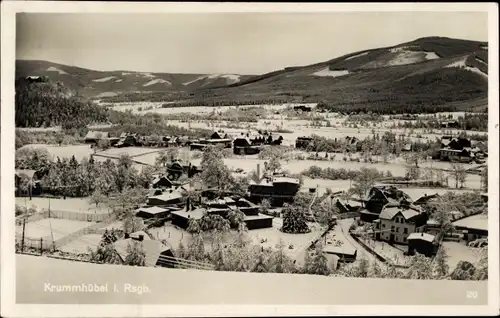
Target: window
[405, 230]
[383, 224]
[404, 239]
[392, 228]
[397, 229]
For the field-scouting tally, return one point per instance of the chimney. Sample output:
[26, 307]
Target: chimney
[141, 237]
[258, 170]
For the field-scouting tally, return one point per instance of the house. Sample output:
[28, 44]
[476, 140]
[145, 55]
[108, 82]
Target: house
[303, 142]
[219, 135]
[456, 143]
[346, 253]
[176, 169]
[33, 176]
[463, 155]
[397, 222]
[253, 219]
[450, 124]
[152, 212]
[346, 206]
[155, 251]
[380, 196]
[128, 140]
[473, 227]
[422, 243]
[36, 79]
[168, 197]
[242, 145]
[302, 108]
[95, 136]
[278, 189]
[426, 199]
[161, 182]
[352, 140]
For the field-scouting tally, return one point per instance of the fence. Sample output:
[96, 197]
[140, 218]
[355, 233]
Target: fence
[374, 253]
[92, 229]
[46, 242]
[79, 216]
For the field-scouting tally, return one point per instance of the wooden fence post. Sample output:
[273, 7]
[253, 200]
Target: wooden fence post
[41, 245]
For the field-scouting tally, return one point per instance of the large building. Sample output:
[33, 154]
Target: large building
[396, 223]
[473, 227]
[380, 197]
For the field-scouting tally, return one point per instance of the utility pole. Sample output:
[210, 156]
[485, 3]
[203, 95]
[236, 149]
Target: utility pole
[41, 245]
[22, 240]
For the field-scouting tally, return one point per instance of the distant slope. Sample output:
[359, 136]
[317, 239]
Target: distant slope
[427, 74]
[94, 83]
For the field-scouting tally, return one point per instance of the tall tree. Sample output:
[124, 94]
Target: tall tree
[459, 174]
[318, 262]
[215, 173]
[294, 220]
[136, 256]
[441, 267]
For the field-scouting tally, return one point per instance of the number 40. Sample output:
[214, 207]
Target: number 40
[472, 294]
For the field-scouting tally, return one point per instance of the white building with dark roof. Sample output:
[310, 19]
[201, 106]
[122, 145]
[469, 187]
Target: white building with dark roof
[397, 223]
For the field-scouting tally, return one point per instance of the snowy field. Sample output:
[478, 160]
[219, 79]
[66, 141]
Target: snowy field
[131, 151]
[60, 228]
[82, 244]
[70, 204]
[458, 251]
[79, 151]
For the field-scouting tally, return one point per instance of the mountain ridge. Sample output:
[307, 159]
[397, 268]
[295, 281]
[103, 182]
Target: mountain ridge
[435, 71]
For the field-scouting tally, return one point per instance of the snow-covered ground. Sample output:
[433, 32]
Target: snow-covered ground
[431, 56]
[230, 78]
[461, 64]
[157, 81]
[104, 79]
[357, 55]
[458, 251]
[327, 72]
[82, 244]
[54, 69]
[68, 204]
[58, 227]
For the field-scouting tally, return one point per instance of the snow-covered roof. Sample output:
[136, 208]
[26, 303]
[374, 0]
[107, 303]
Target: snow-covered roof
[152, 249]
[390, 212]
[476, 222]
[421, 236]
[152, 210]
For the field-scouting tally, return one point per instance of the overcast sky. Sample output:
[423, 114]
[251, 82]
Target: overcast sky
[241, 43]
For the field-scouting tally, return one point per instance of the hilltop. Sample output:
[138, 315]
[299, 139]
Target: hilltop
[93, 83]
[425, 75]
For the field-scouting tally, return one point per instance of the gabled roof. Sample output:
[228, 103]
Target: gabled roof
[388, 213]
[474, 222]
[152, 249]
[152, 210]
[29, 173]
[421, 236]
[285, 180]
[167, 196]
